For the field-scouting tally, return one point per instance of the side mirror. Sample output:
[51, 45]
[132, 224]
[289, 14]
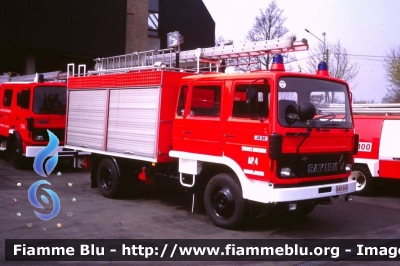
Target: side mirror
[306, 111]
[23, 99]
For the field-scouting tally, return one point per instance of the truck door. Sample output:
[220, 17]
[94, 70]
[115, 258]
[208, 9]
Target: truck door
[246, 129]
[389, 150]
[23, 105]
[197, 129]
[6, 99]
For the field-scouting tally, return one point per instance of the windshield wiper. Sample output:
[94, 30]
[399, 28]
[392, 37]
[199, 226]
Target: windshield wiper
[333, 125]
[332, 116]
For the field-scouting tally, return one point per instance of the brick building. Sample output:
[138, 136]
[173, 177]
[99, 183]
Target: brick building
[46, 35]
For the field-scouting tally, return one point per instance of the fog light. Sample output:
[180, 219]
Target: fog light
[292, 206]
[286, 172]
[348, 167]
[38, 138]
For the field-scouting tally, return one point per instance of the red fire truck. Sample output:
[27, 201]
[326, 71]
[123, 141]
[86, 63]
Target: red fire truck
[258, 141]
[29, 107]
[379, 147]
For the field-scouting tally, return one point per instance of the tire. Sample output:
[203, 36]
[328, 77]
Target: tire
[224, 202]
[108, 178]
[364, 179]
[16, 157]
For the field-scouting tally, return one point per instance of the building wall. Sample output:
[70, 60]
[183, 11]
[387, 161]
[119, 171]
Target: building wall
[191, 19]
[54, 31]
[46, 35]
[136, 25]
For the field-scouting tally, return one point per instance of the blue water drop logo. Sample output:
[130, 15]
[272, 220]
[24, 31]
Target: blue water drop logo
[49, 167]
[44, 153]
[34, 201]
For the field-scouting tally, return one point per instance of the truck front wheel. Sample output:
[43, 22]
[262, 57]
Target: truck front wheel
[108, 178]
[17, 159]
[224, 202]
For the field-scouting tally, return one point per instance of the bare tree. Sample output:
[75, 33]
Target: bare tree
[335, 55]
[267, 26]
[392, 68]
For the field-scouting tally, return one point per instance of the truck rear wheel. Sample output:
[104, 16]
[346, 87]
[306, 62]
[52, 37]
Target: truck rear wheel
[108, 178]
[224, 202]
[364, 179]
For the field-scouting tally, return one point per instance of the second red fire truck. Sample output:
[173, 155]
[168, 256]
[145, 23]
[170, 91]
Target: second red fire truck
[379, 148]
[259, 141]
[29, 106]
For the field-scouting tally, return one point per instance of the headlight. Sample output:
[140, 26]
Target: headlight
[286, 172]
[348, 167]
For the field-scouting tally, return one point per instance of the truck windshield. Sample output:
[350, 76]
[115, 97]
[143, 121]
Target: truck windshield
[50, 100]
[329, 98]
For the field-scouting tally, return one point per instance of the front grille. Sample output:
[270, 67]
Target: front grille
[309, 165]
[59, 132]
[315, 183]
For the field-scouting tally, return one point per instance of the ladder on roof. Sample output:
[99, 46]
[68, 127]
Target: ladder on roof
[377, 109]
[167, 57]
[386, 109]
[49, 76]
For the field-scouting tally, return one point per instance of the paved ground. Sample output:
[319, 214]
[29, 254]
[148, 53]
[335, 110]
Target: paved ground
[164, 214]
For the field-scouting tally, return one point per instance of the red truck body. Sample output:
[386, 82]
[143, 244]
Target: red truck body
[379, 146]
[264, 137]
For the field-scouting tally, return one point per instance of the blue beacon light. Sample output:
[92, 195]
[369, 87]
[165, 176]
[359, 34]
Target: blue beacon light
[323, 69]
[277, 63]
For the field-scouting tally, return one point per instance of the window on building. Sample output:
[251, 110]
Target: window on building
[152, 20]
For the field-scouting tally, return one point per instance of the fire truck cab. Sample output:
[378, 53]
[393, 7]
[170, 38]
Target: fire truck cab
[29, 106]
[262, 137]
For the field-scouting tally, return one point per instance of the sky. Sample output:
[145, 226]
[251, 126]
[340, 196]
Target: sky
[367, 29]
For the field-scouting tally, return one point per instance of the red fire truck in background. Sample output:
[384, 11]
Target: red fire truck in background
[258, 141]
[29, 107]
[379, 147]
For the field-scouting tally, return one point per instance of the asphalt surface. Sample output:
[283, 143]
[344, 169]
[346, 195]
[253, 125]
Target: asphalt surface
[156, 213]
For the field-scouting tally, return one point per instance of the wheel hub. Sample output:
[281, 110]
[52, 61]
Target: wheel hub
[223, 203]
[106, 178]
[361, 180]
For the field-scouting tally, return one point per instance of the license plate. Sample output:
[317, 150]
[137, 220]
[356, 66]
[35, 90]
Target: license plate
[342, 189]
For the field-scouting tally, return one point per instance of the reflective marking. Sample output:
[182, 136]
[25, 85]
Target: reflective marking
[244, 148]
[260, 150]
[253, 172]
[254, 149]
[5, 110]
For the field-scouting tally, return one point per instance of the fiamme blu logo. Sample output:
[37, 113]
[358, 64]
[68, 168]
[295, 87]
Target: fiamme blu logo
[44, 169]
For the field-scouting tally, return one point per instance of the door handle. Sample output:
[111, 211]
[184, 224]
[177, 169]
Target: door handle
[187, 132]
[229, 136]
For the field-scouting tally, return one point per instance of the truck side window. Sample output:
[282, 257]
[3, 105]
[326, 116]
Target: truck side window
[7, 98]
[206, 101]
[182, 101]
[261, 104]
[23, 99]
